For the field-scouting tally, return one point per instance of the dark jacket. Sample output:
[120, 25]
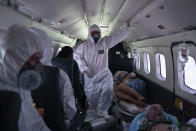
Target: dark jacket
[72, 70]
[53, 107]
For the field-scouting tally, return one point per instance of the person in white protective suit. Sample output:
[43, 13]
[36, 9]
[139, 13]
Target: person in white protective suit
[92, 58]
[67, 93]
[21, 52]
[17, 47]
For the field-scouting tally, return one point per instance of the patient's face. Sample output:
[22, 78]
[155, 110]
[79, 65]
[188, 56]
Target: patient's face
[155, 113]
[123, 75]
[162, 127]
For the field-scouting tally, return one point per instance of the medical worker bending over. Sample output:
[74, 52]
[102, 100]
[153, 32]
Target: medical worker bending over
[92, 58]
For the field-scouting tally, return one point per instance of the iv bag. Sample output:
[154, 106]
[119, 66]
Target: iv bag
[183, 54]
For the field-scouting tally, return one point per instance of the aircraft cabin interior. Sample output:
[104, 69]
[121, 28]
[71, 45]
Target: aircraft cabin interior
[160, 49]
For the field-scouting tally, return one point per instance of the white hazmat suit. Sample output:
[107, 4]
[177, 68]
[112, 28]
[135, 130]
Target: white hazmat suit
[93, 62]
[17, 47]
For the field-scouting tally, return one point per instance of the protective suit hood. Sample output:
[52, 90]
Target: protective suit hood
[93, 28]
[48, 50]
[18, 45]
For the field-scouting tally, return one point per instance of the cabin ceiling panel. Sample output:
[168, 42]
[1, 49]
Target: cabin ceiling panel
[181, 13]
[57, 14]
[55, 10]
[129, 10]
[45, 8]
[65, 21]
[133, 36]
[111, 9]
[168, 18]
[69, 13]
[146, 29]
[78, 29]
[29, 12]
[73, 17]
[93, 10]
[10, 17]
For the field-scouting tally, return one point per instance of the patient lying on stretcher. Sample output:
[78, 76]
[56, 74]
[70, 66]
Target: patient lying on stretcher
[130, 90]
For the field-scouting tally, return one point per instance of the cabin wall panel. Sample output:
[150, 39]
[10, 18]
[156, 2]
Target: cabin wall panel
[152, 76]
[178, 89]
[163, 44]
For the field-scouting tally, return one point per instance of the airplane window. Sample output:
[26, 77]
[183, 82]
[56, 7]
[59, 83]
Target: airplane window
[136, 58]
[160, 66]
[146, 63]
[129, 55]
[163, 65]
[189, 73]
[138, 62]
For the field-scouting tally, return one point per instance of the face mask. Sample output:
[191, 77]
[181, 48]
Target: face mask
[30, 79]
[96, 38]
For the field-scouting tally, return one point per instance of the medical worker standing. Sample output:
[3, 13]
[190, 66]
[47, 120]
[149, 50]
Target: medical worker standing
[92, 58]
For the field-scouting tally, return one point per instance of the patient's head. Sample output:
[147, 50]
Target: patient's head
[120, 75]
[154, 112]
[159, 125]
[162, 126]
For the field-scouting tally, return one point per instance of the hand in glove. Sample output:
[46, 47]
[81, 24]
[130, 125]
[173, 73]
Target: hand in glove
[88, 73]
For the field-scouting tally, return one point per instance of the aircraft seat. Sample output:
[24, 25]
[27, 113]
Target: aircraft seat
[47, 96]
[10, 110]
[122, 112]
